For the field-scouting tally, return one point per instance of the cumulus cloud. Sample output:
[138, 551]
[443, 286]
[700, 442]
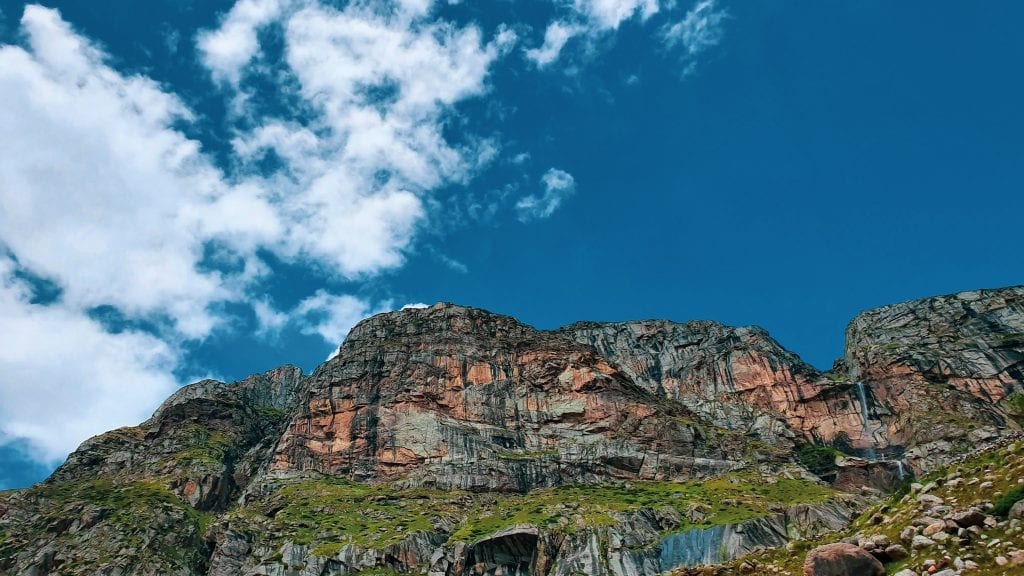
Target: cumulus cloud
[331, 316]
[65, 378]
[558, 186]
[229, 48]
[101, 193]
[382, 84]
[699, 30]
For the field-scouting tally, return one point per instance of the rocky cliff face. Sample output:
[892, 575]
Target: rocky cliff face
[454, 441]
[461, 398]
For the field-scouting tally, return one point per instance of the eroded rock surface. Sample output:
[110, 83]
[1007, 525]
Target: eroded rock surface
[461, 398]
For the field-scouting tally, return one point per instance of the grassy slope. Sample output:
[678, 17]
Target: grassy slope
[1004, 467]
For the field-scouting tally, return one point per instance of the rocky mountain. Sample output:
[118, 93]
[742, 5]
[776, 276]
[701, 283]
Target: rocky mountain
[451, 441]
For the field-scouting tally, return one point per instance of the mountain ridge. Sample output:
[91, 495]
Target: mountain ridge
[607, 448]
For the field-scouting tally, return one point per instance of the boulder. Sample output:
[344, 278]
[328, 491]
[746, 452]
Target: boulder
[921, 542]
[969, 517]
[895, 553]
[1017, 510]
[841, 559]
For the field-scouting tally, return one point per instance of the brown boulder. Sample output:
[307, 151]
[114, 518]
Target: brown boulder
[841, 559]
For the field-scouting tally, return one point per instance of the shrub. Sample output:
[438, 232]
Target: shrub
[820, 460]
[1006, 501]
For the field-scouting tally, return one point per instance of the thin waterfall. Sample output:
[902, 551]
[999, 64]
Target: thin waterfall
[870, 450]
[899, 469]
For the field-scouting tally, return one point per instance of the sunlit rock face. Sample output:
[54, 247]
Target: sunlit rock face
[459, 397]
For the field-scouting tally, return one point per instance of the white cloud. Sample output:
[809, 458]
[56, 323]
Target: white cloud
[555, 37]
[100, 194]
[590, 18]
[415, 306]
[269, 321]
[608, 14]
[331, 316]
[382, 84]
[65, 378]
[558, 186]
[229, 48]
[323, 314]
[699, 30]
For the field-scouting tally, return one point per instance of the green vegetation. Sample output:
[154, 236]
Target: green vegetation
[1016, 403]
[1002, 505]
[333, 512]
[1002, 467]
[328, 514]
[1010, 340]
[205, 446]
[820, 460]
[271, 413]
[727, 500]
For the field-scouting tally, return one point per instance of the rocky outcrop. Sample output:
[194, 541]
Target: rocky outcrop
[939, 368]
[136, 500]
[738, 378]
[457, 397]
[916, 372]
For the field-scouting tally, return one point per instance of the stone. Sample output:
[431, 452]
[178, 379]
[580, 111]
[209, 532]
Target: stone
[896, 552]
[1017, 510]
[921, 542]
[934, 528]
[841, 559]
[1016, 557]
[881, 540]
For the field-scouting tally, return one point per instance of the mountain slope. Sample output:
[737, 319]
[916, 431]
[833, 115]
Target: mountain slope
[451, 440]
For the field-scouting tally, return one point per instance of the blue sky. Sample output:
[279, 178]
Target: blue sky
[194, 189]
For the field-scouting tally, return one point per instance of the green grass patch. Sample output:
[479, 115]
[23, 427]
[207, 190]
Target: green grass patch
[204, 446]
[729, 500]
[332, 512]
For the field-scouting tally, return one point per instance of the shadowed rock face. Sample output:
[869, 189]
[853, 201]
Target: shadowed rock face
[458, 397]
[922, 370]
[939, 367]
[738, 378]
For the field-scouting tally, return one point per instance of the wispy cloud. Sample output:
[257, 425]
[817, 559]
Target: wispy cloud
[558, 186]
[700, 29]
